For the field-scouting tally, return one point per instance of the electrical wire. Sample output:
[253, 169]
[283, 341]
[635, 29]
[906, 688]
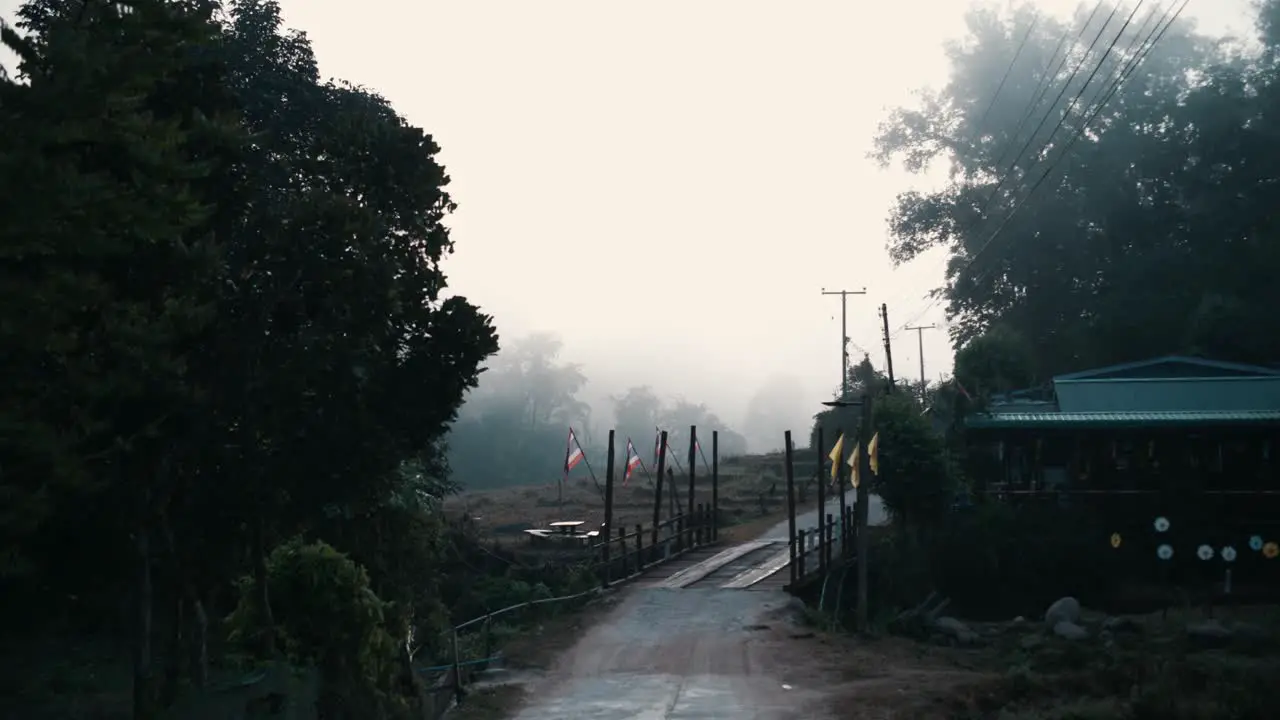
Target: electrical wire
[1127, 70]
[1031, 26]
[1043, 88]
[1079, 131]
[982, 213]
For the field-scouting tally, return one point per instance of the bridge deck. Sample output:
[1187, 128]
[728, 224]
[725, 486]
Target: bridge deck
[744, 566]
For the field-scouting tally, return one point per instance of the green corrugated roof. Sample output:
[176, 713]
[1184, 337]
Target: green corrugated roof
[1123, 419]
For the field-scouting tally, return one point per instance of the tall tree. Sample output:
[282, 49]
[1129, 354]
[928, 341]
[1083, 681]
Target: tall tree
[515, 424]
[110, 269]
[1149, 220]
[222, 313]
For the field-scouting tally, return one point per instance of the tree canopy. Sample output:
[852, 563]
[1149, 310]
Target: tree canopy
[222, 316]
[1152, 230]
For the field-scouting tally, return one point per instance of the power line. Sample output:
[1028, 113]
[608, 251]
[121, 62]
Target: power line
[844, 336]
[1042, 87]
[1008, 70]
[1046, 84]
[995, 96]
[1036, 103]
[1126, 72]
[920, 344]
[1069, 144]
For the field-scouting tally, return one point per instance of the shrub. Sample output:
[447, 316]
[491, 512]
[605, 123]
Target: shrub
[914, 480]
[327, 616]
[997, 560]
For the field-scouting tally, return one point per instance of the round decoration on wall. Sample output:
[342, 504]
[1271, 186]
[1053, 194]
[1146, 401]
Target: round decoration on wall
[1115, 540]
[1228, 554]
[1162, 524]
[1270, 550]
[1164, 552]
[1204, 552]
[1255, 543]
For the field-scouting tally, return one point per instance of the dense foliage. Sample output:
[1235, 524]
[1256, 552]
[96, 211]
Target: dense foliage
[223, 325]
[1153, 231]
[1144, 226]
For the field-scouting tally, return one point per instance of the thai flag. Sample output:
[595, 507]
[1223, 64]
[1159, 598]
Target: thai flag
[572, 453]
[633, 462]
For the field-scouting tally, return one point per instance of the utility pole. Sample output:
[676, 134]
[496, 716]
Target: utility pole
[888, 351]
[920, 342]
[861, 510]
[844, 336]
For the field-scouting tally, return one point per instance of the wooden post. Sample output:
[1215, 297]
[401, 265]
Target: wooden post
[791, 505]
[800, 542]
[622, 551]
[457, 668]
[715, 485]
[851, 533]
[679, 534]
[844, 514]
[606, 533]
[693, 463]
[828, 538]
[864, 475]
[822, 504]
[698, 521]
[657, 490]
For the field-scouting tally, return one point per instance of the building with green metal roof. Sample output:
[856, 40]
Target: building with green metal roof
[1136, 426]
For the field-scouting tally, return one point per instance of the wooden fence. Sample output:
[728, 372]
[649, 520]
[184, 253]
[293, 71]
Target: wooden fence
[818, 548]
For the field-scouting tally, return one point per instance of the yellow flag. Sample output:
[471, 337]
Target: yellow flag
[853, 463]
[873, 453]
[836, 453]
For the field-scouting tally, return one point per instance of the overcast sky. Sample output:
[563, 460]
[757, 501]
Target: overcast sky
[668, 184]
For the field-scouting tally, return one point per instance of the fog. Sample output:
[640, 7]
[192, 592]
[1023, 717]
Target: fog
[667, 186]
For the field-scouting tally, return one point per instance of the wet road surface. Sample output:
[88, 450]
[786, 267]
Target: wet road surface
[693, 653]
[682, 654]
[809, 519]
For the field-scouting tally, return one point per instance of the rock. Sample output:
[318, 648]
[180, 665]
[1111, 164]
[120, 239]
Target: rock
[1069, 630]
[1065, 609]
[1121, 625]
[1031, 642]
[1019, 620]
[951, 627]
[1209, 633]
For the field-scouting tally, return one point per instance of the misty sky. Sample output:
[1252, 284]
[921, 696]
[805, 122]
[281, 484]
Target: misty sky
[668, 184]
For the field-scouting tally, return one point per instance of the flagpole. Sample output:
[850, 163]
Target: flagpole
[644, 468]
[587, 462]
[640, 460]
[674, 459]
[706, 466]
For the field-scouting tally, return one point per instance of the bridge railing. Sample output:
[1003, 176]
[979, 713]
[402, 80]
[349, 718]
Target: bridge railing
[619, 556]
[817, 548]
[627, 552]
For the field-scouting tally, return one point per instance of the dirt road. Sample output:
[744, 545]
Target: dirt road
[664, 654]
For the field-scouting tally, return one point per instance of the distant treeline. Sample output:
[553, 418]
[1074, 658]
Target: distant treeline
[513, 428]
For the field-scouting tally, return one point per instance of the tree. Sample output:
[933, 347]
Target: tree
[864, 380]
[679, 416]
[637, 412]
[222, 316]
[514, 426]
[998, 361]
[914, 481]
[107, 160]
[763, 426]
[1155, 209]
